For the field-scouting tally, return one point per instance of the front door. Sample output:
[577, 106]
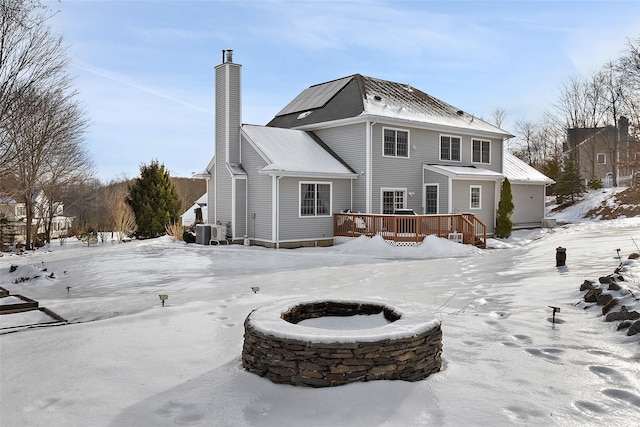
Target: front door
[431, 199]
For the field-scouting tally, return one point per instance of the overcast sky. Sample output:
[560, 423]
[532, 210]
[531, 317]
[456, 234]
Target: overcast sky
[144, 69]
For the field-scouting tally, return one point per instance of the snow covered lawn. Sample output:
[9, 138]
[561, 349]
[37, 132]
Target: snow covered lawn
[125, 360]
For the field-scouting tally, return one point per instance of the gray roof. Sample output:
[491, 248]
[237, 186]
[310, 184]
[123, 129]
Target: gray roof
[518, 172]
[359, 95]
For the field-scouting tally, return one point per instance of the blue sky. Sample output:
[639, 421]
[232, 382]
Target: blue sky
[144, 68]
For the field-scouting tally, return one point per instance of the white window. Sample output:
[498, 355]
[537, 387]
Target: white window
[21, 211]
[450, 148]
[315, 199]
[396, 143]
[637, 157]
[475, 197]
[601, 158]
[393, 199]
[480, 151]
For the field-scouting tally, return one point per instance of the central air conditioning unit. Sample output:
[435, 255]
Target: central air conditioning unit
[203, 234]
[218, 233]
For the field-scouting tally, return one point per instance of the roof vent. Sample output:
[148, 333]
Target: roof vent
[459, 112]
[377, 98]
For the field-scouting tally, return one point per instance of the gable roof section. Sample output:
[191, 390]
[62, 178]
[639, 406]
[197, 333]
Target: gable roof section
[360, 96]
[518, 172]
[290, 152]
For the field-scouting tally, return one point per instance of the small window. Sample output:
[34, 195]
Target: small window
[601, 158]
[450, 148]
[475, 201]
[637, 157]
[315, 199]
[393, 200]
[481, 151]
[21, 211]
[396, 143]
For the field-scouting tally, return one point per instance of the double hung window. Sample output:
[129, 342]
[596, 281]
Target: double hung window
[481, 151]
[315, 199]
[396, 143]
[450, 148]
[475, 197]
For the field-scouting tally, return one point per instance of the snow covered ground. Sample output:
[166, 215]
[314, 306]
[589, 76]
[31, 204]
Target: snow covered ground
[124, 360]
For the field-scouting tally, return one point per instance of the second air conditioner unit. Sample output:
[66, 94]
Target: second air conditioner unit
[218, 233]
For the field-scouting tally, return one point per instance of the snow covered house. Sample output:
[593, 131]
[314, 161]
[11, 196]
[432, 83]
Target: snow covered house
[360, 145]
[190, 216]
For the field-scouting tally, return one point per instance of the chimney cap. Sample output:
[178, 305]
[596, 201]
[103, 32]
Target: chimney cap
[229, 55]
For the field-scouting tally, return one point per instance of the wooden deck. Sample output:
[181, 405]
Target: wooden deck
[464, 228]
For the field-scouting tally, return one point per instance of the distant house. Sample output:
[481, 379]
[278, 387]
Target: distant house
[355, 144]
[16, 214]
[190, 216]
[604, 153]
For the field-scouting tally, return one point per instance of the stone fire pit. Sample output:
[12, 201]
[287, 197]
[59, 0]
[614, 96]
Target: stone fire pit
[323, 343]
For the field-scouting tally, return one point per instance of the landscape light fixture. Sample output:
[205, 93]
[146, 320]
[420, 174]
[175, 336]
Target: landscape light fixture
[555, 310]
[68, 289]
[163, 298]
[619, 259]
[255, 289]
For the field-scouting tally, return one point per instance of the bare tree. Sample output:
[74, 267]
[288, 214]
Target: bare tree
[30, 57]
[41, 123]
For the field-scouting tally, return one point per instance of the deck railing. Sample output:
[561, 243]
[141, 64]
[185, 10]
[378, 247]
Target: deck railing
[464, 228]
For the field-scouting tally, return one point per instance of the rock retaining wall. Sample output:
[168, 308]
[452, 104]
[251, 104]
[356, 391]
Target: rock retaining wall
[324, 362]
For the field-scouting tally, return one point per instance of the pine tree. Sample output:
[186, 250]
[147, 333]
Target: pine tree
[504, 226]
[154, 200]
[569, 183]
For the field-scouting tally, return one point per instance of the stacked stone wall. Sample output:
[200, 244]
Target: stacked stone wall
[323, 364]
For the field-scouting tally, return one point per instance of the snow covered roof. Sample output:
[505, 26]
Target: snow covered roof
[470, 172]
[359, 96]
[294, 153]
[519, 172]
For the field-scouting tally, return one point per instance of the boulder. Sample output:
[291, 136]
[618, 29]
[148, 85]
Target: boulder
[592, 295]
[623, 314]
[613, 286]
[586, 285]
[608, 306]
[605, 279]
[634, 255]
[624, 325]
[603, 299]
[634, 328]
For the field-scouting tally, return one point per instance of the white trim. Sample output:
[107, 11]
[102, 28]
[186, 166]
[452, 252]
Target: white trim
[394, 189]
[471, 188]
[368, 168]
[424, 197]
[418, 124]
[227, 108]
[604, 155]
[274, 208]
[480, 141]
[440, 148]
[315, 215]
[396, 130]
